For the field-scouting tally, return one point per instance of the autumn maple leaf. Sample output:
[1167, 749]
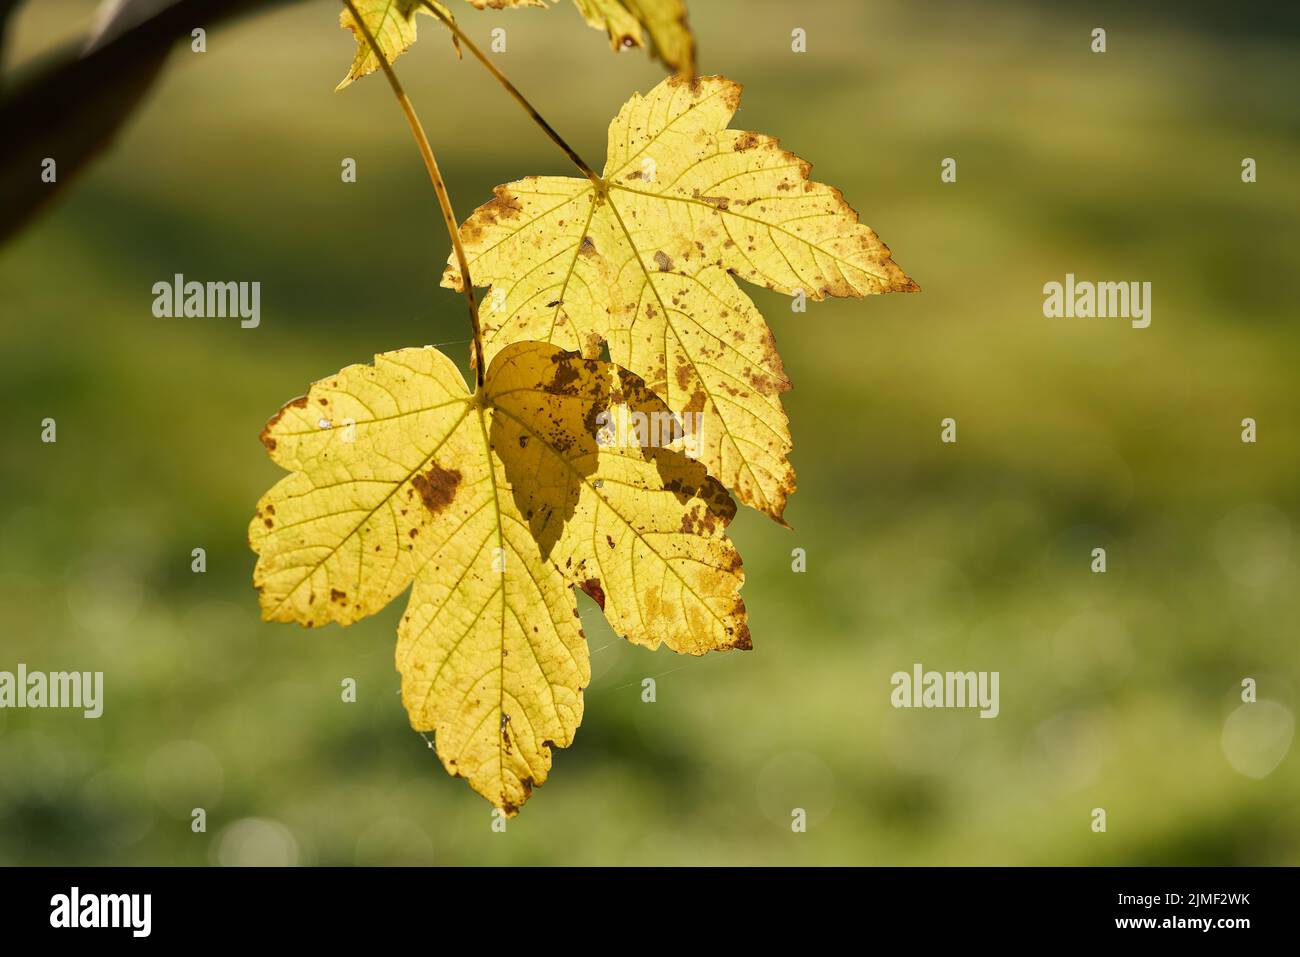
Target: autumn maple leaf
[496, 505]
[642, 258]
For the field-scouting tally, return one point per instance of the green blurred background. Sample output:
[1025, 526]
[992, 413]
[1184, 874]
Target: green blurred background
[1119, 691]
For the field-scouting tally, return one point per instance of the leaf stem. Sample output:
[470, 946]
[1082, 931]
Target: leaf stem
[439, 187]
[510, 88]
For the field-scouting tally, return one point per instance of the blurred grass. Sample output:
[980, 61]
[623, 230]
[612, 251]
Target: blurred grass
[1115, 688]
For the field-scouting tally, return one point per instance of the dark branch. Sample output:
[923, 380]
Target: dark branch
[72, 107]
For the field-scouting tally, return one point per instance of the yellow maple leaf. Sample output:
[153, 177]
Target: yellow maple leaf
[495, 505]
[392, 23]
[664, 20]
[642, 258]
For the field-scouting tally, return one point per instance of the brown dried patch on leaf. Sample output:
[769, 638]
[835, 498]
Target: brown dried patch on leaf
[597, 594]
[267, 436]
[436, 487]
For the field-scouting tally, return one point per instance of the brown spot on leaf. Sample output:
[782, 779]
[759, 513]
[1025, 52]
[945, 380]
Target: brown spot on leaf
[684, 376]
[266, 438]
[592, 587]
[566, 374]
[717, 202]
[436, 487]
[512, 809]
[501, 206]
